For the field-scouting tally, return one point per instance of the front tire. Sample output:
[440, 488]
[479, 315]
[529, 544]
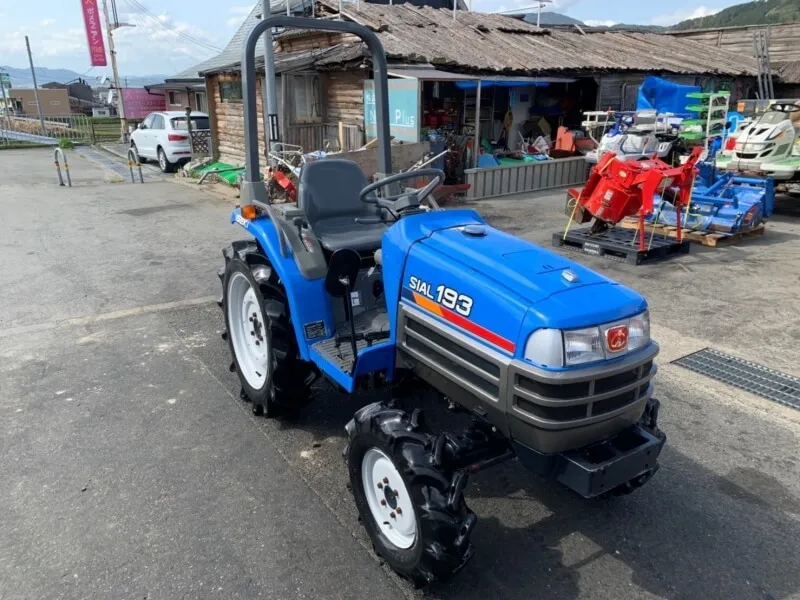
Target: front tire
[142, 159]
[260, 334]
[411, 505]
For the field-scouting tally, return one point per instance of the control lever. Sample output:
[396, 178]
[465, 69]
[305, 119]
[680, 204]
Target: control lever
[298, 222]
[369, 221]
[348, 305]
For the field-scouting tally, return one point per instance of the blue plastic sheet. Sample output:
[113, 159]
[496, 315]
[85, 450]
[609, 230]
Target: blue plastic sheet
[665, 96]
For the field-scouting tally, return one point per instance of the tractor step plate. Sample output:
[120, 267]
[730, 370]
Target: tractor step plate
[341, 355]
[621, 245]
[751, 377]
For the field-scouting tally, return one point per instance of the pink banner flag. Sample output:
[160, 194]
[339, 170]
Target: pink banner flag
[94, 33]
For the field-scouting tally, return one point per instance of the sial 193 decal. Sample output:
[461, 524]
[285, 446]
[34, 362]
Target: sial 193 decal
[447, 297]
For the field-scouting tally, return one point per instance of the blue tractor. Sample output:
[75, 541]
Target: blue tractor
[374, 287]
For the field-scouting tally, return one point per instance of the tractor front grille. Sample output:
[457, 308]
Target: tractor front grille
[555, 401]
[545, 399]
[456, 360]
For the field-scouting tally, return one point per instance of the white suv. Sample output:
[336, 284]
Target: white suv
[164, 136]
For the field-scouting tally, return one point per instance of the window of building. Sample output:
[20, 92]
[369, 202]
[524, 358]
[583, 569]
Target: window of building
[172, 97]
[230, 91]
[200, 101]
[307, 95]
[55, 102]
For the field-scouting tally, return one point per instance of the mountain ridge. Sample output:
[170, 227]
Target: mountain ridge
[756, 12]
[21, 77]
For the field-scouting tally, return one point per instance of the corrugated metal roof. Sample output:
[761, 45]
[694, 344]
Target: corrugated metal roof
[495, 43]
[429, 74]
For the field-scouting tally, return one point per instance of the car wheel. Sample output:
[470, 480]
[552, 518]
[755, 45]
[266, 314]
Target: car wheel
[166, 166]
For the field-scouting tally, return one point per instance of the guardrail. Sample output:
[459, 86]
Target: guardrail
[79, 129]
[526, 177]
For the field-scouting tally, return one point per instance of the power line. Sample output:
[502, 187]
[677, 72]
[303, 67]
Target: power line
[137, 5]
[114, 12]
[169, 27]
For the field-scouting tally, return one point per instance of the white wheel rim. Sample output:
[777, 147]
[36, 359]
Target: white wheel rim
[162, 159]
[248, 331]
[388, 499]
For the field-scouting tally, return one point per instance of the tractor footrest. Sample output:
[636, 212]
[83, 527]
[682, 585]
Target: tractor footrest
[340, 354]
[601, 467]
[621, 245]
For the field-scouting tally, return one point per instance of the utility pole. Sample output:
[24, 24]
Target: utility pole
[6, 110]
[35, 86]
[123, 123]
[270, 96]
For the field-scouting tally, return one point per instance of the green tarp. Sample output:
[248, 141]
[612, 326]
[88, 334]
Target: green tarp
[229, 176]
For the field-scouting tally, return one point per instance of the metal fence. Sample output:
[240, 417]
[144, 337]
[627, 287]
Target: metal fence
[526, 177]
[201, 142]
[17, 130]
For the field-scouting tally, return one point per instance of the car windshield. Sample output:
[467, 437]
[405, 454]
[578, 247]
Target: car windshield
[197, 123]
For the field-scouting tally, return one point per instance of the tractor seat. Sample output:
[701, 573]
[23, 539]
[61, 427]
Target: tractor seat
[329, 195]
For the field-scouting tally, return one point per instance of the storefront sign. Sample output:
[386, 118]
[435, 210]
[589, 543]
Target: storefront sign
[403, 109]
[94, 33]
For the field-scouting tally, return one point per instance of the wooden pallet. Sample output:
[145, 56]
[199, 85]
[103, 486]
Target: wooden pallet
[707, 238]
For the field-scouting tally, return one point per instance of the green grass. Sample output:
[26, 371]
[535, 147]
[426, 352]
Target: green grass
[20, 145]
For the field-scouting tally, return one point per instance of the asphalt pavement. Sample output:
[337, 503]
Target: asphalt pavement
[130, 468]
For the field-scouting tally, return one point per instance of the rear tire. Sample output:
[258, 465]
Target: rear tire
[392, 464]
[273, 377]
[163, 162]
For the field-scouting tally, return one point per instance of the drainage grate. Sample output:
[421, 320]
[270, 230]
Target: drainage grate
[762, 381]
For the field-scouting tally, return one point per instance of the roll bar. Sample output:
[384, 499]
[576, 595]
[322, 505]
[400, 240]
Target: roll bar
[253, 190]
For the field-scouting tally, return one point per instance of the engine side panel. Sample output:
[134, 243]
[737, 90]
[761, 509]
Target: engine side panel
[463, 298]
[398, 242]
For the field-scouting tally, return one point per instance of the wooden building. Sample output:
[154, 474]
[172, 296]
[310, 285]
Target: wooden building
[784, 49]
[324, 76]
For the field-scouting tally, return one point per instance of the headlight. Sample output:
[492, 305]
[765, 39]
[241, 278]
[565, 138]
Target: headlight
[545, 347]
[556, 348]
[639, 331]
[582, 346]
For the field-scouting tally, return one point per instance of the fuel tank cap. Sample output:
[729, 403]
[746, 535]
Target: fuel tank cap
[475, 230]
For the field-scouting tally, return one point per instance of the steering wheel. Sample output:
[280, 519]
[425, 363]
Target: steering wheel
[399, 203]
[784, 107]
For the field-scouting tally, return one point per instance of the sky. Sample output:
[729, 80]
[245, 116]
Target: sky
[171, 36]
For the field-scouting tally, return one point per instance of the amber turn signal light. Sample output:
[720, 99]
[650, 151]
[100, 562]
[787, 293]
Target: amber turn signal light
[249, 212]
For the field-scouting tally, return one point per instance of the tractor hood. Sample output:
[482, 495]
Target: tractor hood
[501, 288]
[530, 272]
